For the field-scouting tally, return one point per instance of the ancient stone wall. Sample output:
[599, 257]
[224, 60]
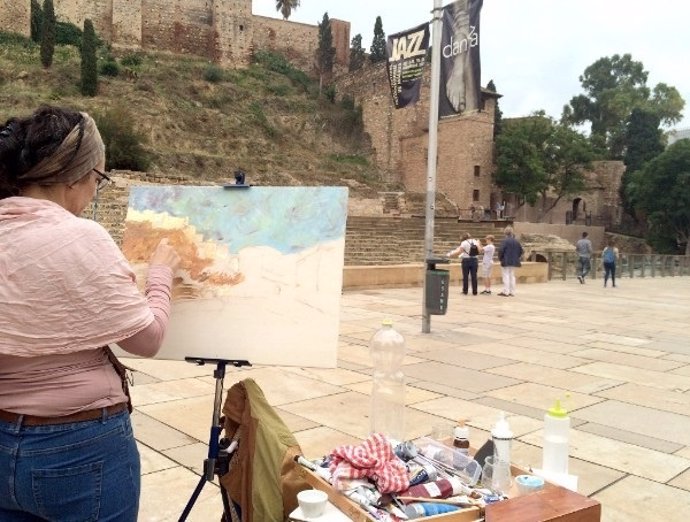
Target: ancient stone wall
[400, 140]
[15, 17]
[222, 30]
[599, 204]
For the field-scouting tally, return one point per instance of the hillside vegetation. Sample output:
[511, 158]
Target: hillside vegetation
[196, 119]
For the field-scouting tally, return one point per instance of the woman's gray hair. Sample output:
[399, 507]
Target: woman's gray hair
[508, 231]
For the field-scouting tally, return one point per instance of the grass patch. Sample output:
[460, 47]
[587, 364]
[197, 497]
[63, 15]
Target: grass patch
[349, 159]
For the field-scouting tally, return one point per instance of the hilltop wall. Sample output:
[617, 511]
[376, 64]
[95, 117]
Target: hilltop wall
[224, 31]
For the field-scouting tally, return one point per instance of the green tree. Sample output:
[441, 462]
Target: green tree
[124, 145]
[286, 7]
[48, 34]
[378, 44]
[89, 65]
[357, 54]
[36, 21]
[540, 159]
[498, 115]
[325, 53]
[644, 141]
[614, 87]
[660, 191]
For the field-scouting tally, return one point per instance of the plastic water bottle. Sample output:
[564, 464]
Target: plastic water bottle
[556, 436]
[387, 348]
[502, 438]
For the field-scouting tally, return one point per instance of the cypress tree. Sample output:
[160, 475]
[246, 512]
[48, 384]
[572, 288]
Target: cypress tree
[326, 51]
[48, 34]
[378, 44]
[356, 53]
[89, 69]
[36, 21]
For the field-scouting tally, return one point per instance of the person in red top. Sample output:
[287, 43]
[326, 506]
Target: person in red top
[66, 294]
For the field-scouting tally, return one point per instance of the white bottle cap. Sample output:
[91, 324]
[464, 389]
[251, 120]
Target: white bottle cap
[461, 431]
[501, 429]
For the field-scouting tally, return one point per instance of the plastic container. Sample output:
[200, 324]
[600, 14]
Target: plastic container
[461, 437]
[556, 438]
[502, 437]
[465, 467]
[387, 349]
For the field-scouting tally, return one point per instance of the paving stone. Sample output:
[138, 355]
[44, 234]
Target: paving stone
[665, 400]
[635, 498]
[661, 380]
[651, 422]
[567, 379]
[626, 359]
[463, 378]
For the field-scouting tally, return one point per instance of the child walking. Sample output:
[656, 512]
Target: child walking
[487, 263]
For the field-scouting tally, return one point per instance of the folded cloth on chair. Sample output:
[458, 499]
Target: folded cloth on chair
[374, 459]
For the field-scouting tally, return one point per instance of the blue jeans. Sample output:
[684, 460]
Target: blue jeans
[469, 271]
[583, 266]
[79, 472]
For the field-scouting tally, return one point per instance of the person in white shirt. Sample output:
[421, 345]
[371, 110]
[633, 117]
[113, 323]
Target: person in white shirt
[468, 251]
[487, 263]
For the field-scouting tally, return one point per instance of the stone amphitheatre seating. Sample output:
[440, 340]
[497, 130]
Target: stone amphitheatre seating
[400, 240]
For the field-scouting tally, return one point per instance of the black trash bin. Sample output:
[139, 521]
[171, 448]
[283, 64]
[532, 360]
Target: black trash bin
[437, 284]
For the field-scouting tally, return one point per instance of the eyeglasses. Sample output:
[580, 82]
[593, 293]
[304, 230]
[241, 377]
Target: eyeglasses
[102, 181]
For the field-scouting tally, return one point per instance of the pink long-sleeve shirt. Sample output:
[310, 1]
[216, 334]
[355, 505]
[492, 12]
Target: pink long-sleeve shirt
[66, 291]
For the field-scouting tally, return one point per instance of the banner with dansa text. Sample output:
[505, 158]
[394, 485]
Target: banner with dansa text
[460, 85]
[406, 57]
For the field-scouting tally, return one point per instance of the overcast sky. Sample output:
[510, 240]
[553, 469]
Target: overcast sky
[535, 50]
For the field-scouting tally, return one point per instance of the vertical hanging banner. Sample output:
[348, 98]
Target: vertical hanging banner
[460, 86]
[406, 56]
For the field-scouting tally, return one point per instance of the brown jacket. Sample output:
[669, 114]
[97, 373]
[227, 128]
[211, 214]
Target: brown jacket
[263, 479]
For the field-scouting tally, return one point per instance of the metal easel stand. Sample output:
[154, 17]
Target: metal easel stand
[219, 450]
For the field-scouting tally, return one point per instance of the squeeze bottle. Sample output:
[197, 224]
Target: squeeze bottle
[387, 349]
[502, 438]
[556, 435]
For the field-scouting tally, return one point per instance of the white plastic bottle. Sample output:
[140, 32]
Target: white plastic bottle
[556, 437]
[387, 348]
[502, 438]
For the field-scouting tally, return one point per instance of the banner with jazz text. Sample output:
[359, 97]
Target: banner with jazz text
[460, 85]
[406, 54]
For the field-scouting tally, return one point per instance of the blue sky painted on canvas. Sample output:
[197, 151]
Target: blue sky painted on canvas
[288, 219]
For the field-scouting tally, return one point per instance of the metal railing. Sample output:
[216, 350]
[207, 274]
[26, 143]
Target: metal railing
[563, 265]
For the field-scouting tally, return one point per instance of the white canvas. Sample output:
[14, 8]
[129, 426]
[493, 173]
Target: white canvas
[261, 273]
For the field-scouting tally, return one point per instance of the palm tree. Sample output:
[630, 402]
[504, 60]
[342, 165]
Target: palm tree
[286, 6]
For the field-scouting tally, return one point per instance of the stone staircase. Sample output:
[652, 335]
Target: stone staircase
[400, 240]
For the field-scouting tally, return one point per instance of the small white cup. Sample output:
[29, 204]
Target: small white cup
[312, 502]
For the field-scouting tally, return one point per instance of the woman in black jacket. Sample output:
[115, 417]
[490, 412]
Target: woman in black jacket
[509, 253]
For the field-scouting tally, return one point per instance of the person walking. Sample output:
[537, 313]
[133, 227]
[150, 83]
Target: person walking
[610, 257]
[67, 451]
[488, 263]
[509, 254]
[468, 251]
[583, 248]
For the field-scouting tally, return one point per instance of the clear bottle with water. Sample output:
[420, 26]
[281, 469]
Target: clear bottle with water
[387, 348]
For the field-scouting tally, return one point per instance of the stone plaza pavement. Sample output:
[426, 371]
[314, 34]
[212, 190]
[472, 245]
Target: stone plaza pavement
[619, 357]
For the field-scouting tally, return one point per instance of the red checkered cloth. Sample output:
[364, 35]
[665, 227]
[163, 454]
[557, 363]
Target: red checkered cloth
[373, 459]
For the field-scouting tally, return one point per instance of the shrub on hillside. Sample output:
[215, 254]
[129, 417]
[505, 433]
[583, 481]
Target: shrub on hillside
[131, 60]
[278, 63]
[124, 145]
[213, 74]
[68, 34]
[109, 68]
